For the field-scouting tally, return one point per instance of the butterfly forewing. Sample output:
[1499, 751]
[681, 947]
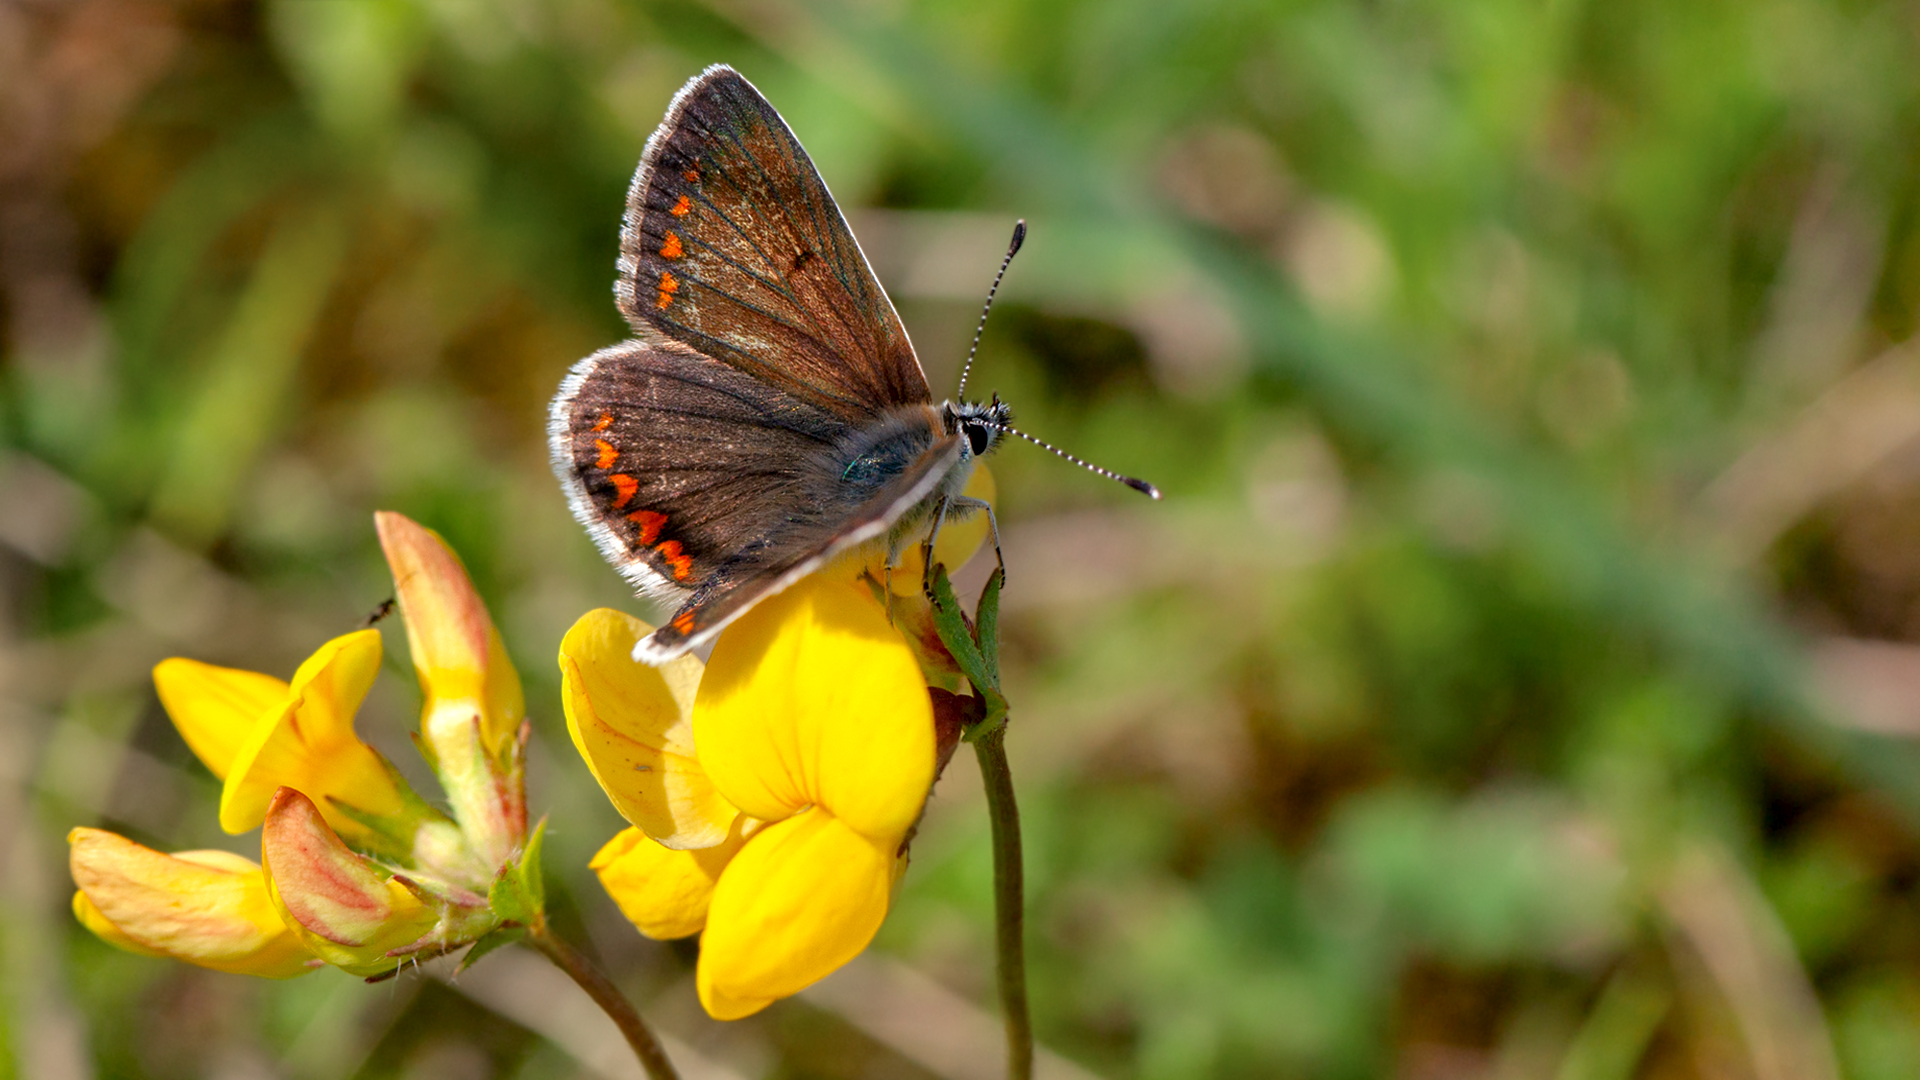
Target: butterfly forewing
[732, 245]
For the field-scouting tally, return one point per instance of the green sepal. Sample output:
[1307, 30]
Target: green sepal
[393, 834]
[976, 650]
[993, 716]
[986, 623]
[519, 893]
[951, 622]
[505, 935]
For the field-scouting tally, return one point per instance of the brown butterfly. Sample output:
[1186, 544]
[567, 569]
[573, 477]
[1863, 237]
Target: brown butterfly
[772, 414]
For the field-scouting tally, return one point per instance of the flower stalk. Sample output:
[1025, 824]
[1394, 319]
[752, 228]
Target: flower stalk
[975, 646]
[639, 1037]
[1009, 900]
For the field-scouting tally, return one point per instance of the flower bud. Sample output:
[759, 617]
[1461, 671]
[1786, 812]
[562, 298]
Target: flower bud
[338, 903]
[471, 722]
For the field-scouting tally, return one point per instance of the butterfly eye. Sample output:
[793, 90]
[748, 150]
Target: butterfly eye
[979, 437]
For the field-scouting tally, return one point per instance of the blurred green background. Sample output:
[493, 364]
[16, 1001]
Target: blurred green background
[1520, 679]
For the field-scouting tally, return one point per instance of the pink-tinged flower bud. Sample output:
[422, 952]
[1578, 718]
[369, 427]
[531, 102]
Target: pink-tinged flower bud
[209, 908]
[342, 907]
[471, 722]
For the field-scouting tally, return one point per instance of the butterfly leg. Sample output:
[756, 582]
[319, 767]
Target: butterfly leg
[886, 575]
[963, 503]
[993, 530]
[926, 548]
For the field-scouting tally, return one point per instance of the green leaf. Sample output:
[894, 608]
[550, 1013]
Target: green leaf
[505, 935]
[508, 898]
[519, 892]
[530, 873]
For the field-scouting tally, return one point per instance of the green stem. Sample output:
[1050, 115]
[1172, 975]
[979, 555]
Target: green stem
[1009, 900]
[608, 997]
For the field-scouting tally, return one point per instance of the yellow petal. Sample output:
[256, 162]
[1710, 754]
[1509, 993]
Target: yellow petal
[811, 698]
[803, 897]
[661, 891]
[630, 722]
[207, 908]
[343, 910]
[310, 744]
[215, 708]
[461, 661]
[959, 538]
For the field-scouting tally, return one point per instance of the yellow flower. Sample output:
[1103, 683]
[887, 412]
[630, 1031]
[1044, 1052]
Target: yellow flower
[288, 757]
[257, 734]
[260, 736]
[787, 781]
[209, 908]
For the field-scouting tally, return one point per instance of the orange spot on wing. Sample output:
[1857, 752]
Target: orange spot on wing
[683, 622]
[668, 286]
[608, 455]
[682, 208]
[670, 248]
[650, 522]
[682, 563]
[692, 175]
[605, 422]
[626, 486]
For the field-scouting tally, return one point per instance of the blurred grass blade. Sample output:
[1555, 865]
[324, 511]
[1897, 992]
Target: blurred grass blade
[1616, 1034]
[248, 374]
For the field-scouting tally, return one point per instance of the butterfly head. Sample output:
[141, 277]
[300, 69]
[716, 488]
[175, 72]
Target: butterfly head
[980, 423]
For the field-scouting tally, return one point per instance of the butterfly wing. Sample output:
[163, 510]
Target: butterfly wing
[759, 571]
[732, 244]
[673, 461]
[693, 476]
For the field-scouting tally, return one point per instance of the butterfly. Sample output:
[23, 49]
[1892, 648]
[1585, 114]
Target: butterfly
[770, 414]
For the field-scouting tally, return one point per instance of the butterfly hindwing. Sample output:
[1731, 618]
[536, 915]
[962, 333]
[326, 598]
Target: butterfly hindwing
[732, 245]
[675, 461]
[759, 571]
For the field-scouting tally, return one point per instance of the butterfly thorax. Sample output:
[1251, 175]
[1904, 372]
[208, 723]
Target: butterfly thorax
[981, 423]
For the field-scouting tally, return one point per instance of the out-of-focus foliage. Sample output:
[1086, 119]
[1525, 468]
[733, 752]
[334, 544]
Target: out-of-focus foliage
[1520, 679]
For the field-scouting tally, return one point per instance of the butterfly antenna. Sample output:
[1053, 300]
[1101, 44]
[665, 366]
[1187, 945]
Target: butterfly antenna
[1138, 485]
[1019, 237]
